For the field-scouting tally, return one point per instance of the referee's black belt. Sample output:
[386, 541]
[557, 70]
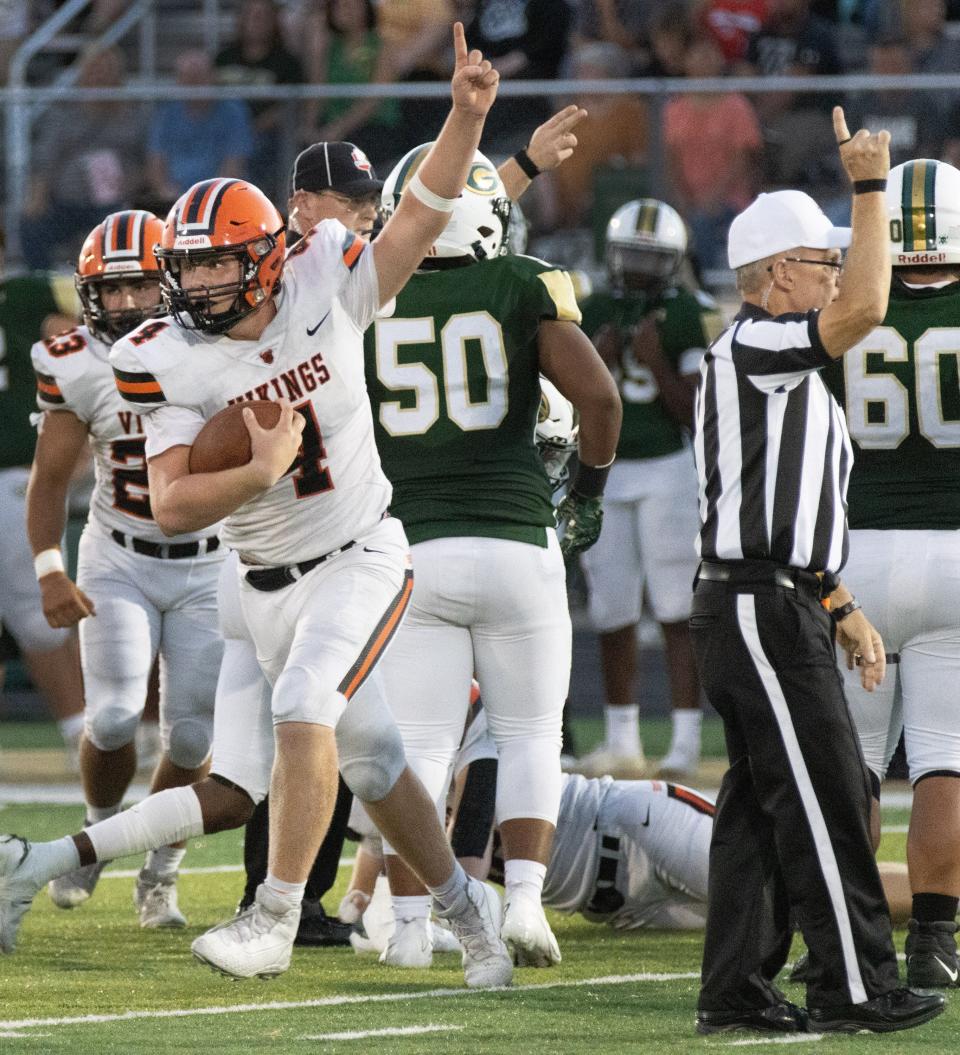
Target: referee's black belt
[166, 550]
[276, 578]
[748, 573]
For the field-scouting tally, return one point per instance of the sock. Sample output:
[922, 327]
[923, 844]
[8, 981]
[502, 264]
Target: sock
[623, 729]
[934, 908]
[166, 817]
[447, 893]
[686, 729]
[54, 859]
[526, 875]
[290, 892]
[408, 908]
[101, 813]
[71, 728]
[164, 862]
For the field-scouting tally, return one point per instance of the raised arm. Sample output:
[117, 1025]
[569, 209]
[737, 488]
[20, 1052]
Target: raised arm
[550, 145]
[423, 212]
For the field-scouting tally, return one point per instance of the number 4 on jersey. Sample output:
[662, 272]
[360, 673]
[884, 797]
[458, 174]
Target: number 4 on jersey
[310, 476]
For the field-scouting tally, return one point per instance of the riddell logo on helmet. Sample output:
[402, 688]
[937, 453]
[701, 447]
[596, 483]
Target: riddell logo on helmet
[921, 258]
[187, 241]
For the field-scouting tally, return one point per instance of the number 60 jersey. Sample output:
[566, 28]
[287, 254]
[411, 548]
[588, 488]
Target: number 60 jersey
[310, 355]
[900, 388]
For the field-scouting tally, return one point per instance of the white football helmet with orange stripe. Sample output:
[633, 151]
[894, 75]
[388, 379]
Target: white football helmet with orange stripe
[478, 223]
[121, 248]
[219, 218]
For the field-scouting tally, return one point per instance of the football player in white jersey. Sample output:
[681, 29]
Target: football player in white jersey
[325, 574]
[137, 593]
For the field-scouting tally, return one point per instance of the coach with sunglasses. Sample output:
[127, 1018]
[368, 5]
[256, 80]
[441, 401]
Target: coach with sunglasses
[791, 837]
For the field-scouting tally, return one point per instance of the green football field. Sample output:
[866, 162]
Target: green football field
[89, 980]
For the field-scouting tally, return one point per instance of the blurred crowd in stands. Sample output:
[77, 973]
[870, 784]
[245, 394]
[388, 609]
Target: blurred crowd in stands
[718, 148]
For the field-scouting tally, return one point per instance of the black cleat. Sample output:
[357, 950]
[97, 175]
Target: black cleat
[900, 1008]
[932, 955]
[319, 930]
[774, 1018]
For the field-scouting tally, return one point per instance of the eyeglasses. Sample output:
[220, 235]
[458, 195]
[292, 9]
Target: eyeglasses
[835, 264]
[353, 204]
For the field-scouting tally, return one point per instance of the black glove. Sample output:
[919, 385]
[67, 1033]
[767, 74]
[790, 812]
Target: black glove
[581, 519]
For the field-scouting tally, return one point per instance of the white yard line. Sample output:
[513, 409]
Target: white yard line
[791, 1038]
[339, 1001]
[393, 1031]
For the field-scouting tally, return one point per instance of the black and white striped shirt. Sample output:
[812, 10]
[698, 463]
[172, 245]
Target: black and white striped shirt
[772, 449]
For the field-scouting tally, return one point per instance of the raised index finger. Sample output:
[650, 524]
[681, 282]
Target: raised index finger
[459, 43]
[840, 129]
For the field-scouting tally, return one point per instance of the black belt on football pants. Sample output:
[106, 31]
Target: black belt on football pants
[166, 550]
[270, 579]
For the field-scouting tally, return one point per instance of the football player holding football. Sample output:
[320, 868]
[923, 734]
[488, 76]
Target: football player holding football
[899, 388]
[652, 333]
[453, 374]
[137, 593]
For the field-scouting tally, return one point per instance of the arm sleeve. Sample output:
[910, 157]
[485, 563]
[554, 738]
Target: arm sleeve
[778, 353]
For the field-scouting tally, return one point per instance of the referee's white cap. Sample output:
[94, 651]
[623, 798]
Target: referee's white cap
[773, 223]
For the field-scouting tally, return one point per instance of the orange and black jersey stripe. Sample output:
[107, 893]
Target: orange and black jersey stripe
[138, 387]
[352, 248]
[47, 388]
[692, 799]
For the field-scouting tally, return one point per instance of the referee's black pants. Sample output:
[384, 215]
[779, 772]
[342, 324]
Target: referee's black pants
[791, 833]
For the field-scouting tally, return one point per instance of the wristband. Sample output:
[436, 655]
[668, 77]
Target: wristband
[590, 480]
[47, 562]
[422, 193]
[869, 186]
[522, 158]
[841, 613]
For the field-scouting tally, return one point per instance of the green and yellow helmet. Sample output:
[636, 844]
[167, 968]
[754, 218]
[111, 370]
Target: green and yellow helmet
[923, 204]
[478, 224]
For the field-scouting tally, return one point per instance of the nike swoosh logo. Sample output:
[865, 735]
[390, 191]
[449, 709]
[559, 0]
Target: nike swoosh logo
[367, 549]
[310, 332]
[952, 975]
[646, 823]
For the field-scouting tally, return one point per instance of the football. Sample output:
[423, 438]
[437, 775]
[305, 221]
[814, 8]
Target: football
[224, 443]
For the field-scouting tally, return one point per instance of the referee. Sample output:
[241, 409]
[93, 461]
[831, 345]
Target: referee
[791, 838]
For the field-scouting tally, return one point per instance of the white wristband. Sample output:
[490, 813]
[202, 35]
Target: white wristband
[422, 192]
[47, 561]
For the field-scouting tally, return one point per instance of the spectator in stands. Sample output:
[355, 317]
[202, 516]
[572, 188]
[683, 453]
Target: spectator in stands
[671, 31]
[191, 141]
[346, 49]
[731, 23]
[258, 56]
[86, 163]
[621, 22]
[615, 130]
[524, 39]
[713, 145]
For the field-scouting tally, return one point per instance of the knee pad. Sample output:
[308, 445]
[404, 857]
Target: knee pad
[300, 696]
[189, 742]
[370, 748]
[528, 780]
[110, 728]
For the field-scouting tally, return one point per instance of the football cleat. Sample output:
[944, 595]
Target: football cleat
[474, 919]
[602, 762]
[443, 939]
[527, 933]
[17, 888]
[410, 944]
[155, 899]
[931, 950]
[72, 889]
[353, 905]
[257, 942]
[681, 763]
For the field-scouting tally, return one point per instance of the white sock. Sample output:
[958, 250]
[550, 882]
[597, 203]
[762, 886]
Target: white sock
[101, 813]
[409, 908]
[164, 862]
[623, 729]
[291, 892]
[166, 817]
[447, 893]
[54, 859]
[528, 875]
[71, 728]
[686, 729]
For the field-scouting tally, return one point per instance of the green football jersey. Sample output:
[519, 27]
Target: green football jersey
[686, 324]
[900, 387]
[455, 388]
[25, 301]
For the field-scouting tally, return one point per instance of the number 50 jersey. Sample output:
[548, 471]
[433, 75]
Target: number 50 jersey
[900, 388]
[454, 382]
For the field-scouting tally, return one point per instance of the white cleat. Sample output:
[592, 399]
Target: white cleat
[475, 921]
[17, 888]
[256, 942]
[410, 944]
[527, 933]
[156, 901]
[604, 763]
[443, 939]
[72, 889]
[681, 763]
